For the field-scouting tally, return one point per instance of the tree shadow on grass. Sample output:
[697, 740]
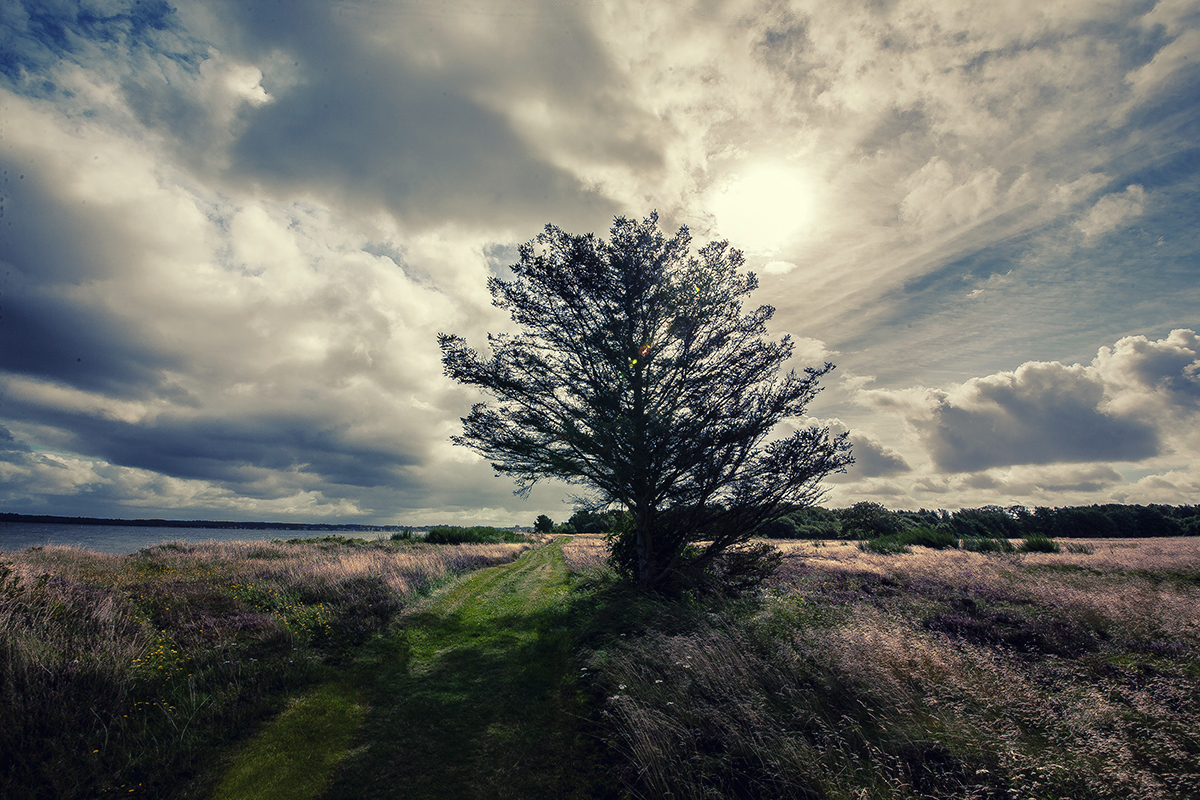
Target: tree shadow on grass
[479, 706]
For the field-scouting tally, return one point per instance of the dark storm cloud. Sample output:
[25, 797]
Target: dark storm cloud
[239, 451]
[52, 250]
[420, 127]
[1122, 407]
[872, 459]
[436, 156]
[9, 444]
[61, 338]
[1041, 414]
[51, 237]
[233, 450]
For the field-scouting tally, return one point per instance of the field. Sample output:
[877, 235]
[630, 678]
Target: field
[934, 674]
[195, 671]
[127, 674]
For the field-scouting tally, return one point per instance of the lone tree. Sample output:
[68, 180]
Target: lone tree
[637, 375]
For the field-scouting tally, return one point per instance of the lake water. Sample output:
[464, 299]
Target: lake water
[122, 539]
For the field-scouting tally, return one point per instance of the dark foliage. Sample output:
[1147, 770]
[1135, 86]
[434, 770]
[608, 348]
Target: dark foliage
[803, 523]
[587, 520]
[477, 535]
[638, 375]
[1036, 543]
[982, 527]
[984, 544]
[868, 520]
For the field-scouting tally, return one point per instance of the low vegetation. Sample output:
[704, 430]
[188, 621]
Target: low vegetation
[922, 536]
[124, 674]
[477, 535]
[928, 673]
[931, 674]
[867, 520]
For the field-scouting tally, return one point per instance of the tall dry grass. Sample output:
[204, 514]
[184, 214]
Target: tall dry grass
[940, 674]
[585, 552]
[119, 673]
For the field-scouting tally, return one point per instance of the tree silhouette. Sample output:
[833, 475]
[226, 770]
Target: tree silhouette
[637, 375]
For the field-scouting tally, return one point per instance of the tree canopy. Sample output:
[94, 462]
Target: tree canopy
[637, 374]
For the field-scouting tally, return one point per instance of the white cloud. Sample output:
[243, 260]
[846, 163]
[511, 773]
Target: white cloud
[1050, 484]
[936, 199]
[993, 282]
[1169, 487]
[1112, 211]
[778, 267]
[1126, 406]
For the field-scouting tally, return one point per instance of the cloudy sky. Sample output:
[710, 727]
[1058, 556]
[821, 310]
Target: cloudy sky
[230, 232]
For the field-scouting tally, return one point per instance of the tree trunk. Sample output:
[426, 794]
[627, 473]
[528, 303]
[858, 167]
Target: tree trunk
[647, 563]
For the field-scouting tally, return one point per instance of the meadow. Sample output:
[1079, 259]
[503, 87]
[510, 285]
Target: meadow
[852, 674]
[937, 673]
[127, 674]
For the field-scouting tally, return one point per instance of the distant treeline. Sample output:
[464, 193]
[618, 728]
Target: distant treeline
[872, 520]
[197, 523]
[1110, 521]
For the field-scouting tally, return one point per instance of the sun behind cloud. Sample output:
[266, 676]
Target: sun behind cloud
[764, 208]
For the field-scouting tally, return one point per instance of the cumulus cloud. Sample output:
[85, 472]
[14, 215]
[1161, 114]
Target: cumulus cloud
[872, 459]
[1165, 373]
[1051, 484]
[1124, 407]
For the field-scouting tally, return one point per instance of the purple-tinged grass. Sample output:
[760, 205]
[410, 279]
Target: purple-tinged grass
[936, 674]
[125, 674]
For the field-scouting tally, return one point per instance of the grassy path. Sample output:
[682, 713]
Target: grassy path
[474, 697]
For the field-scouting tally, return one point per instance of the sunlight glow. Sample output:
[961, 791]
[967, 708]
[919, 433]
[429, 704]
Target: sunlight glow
[765, 208]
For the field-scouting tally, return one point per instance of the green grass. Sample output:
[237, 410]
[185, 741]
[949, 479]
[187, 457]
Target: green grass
[1036, 543]
[295, 757]
[309, 670]
[476, 695]
[475, 535]
[135, 675]
[902, 542]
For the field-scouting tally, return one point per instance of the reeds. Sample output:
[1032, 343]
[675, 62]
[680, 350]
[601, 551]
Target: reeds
[120, 674]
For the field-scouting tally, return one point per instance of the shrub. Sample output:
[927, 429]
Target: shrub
[883, 545]
[985, 544]
[782, 528]
[1036, 543]
[935, 538]
[741, 570]
[477, 535]
[869, 520]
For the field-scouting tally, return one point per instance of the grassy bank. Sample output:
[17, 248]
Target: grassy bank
[128, 674]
